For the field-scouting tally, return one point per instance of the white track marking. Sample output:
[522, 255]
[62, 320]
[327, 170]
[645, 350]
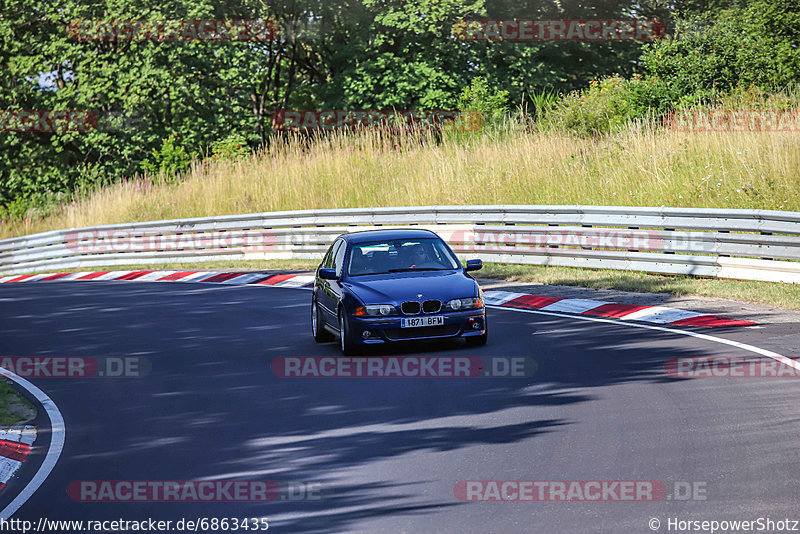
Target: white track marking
[57, 433]
[243, 279]
[32, 278]
[295, 281]
[500, 297]
[7, 468]
[660, 314]
[13, 434]
[750, 348]
[113, 275]
[195, 276]
[73, 276]
[574, 305]
[28, 435]
[154, 276]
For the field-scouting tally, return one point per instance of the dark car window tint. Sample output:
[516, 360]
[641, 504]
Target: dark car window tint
[328, 261]
[338, 259]
[400, 254]
[326, 258]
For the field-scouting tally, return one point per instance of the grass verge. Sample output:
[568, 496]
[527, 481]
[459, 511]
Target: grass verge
[775, 294]
[14, 409]
[640, 166]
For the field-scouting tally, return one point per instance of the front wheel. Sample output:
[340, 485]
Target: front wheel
[317, 325]
[345, 339]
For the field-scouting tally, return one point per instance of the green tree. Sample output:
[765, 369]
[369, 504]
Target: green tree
[531, 67]
[409, 59]
[757, 45]
[141, 91]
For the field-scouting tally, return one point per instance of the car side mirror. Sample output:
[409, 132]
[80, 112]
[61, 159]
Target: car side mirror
[328, 274]
[474, 265]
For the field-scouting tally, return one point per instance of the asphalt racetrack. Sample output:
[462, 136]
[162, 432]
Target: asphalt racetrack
[388, 454]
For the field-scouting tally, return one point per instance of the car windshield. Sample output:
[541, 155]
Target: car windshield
[401, 255]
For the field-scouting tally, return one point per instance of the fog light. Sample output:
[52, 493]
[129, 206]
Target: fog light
[366, 334]
[476, 325]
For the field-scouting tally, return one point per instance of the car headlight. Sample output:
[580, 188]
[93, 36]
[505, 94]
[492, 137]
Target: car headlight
[376, 310]
[464, 304]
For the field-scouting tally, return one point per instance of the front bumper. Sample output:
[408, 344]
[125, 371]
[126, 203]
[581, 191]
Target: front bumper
[388, 329]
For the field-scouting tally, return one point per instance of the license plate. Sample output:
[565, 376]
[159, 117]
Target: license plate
[415, 322]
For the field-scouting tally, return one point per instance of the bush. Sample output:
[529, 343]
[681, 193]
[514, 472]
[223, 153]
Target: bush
[754, 98]
[34, 205]
[170, 161]
[606, 106]
[543, 102]
[741, 58]
[230, 148]
[757, 45]
[492, 104]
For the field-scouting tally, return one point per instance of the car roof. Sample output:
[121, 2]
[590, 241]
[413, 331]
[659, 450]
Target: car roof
[376, 235]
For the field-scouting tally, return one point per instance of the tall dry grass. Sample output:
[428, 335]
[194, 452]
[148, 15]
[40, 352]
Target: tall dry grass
[641, 166]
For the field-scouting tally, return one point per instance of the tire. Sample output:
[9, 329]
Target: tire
[317, 329]
[479, 341]
[345, 339]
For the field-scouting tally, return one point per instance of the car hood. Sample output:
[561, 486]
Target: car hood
[400, 287]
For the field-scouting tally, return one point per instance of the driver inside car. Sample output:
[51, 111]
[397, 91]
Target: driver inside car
[419, 258]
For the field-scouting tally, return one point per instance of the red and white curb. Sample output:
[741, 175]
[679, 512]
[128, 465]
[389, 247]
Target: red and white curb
[615, 310]
[15, 446]
[598, 308]
[20, 445]
[277, 280]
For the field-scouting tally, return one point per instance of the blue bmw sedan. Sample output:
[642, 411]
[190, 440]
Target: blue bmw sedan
[381, 286]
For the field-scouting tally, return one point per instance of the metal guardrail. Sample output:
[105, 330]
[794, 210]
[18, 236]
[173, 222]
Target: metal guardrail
[740, 244]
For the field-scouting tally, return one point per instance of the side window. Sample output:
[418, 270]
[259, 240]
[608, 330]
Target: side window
[338, 259]
[328, 260]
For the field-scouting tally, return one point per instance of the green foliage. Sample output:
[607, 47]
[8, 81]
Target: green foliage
[604, 107]
[757, 45]
[230, 148]
[31, 205]
[170, 160]
[745, 57]
[754, 98]
[492, 104]
[407, 59]
[528, 68]
[140, 91]
[14, 408]
[542, 102]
